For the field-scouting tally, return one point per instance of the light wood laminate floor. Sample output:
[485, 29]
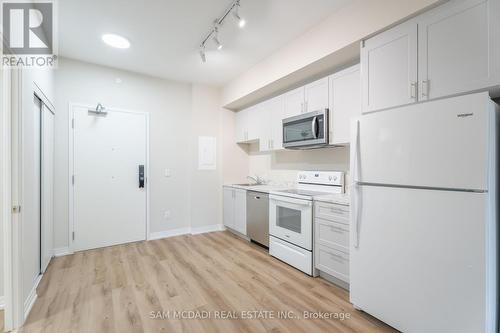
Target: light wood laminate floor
[121, 288]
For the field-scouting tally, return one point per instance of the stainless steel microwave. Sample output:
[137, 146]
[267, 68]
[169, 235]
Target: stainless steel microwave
[306, 131]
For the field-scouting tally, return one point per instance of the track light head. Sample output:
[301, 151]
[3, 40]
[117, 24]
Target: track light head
[215, 38]
[202, 54]
[241, 21]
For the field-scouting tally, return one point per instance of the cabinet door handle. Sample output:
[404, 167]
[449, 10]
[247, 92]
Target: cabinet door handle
[425, 88]
[337, 229]
[302, 107]
[413, 90]
[336, 256]
[337, 210]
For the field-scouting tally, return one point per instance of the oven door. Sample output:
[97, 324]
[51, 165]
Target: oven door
[309, 129]
[290, 219]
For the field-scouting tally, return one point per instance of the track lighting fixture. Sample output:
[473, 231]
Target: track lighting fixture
[241, 21]
[214, 32]
[215, 38]
[202, 54]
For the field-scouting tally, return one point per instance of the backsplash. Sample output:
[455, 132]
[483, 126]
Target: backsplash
[281, 168]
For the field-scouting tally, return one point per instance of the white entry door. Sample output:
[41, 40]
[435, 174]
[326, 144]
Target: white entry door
[109, 200]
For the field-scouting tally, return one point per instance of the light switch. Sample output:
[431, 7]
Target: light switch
[167, 172]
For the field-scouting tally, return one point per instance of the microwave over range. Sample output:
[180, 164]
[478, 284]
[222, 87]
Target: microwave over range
[306, 131]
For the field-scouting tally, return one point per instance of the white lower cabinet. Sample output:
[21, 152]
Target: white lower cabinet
[333, 262]
[331, 239]
[235, 209]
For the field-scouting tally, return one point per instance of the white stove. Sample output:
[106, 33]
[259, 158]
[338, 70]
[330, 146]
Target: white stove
[291, 216]
[315, 183]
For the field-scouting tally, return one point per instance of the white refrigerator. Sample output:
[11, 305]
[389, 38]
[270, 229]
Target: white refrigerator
[424, 216]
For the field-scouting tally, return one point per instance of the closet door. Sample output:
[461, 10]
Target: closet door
[47, 186]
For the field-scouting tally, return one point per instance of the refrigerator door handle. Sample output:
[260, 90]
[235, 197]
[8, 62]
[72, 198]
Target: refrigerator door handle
[355, 200]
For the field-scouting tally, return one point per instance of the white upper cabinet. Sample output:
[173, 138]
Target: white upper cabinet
[455, 48]
[316, 95]
[254, 122]
[241, 126]
[345, 103]
[247, 124]
[456, 52]
[277, 107]
[389, 68]
[294, 102]
[271, 124]
[265, 127]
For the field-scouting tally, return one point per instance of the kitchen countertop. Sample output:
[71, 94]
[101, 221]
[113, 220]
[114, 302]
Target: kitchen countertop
[341, 199]
[258, 188]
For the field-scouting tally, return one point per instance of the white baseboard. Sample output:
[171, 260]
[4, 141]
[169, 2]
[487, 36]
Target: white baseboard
[30, 301]
[2, 302]
[169, 233]
[185, 231]
[207, 228]
[62, 251]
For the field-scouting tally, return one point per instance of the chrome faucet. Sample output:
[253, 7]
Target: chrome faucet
[257, 180]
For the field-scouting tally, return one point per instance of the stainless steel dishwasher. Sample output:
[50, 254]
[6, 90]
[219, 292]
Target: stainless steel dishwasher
[258, 217]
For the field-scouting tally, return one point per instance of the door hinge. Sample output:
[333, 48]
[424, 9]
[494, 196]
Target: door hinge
[73, 235]
[73, 123]
[16, 209]
[73, 179]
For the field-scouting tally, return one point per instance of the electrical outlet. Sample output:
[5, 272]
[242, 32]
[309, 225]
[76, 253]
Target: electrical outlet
[167, 172]
[167, 215]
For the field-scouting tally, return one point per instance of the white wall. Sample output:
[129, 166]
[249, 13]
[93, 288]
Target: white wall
[206, 185]
[344, 27]
[179, 114]
[169, 105]
[281, 167]
[234, 157]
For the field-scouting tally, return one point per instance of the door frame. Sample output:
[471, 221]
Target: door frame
[71, 134]
[11, 317]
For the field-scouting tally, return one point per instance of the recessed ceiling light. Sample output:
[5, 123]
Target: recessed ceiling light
[116, 41]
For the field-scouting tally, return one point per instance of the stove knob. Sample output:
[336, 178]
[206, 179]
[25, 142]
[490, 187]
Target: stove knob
[330, 178]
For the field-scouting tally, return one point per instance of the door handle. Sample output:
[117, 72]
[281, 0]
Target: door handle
[314, 127]
[141, 176]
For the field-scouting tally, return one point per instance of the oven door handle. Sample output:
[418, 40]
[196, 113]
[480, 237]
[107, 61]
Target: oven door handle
[277, 200]
[315, 127]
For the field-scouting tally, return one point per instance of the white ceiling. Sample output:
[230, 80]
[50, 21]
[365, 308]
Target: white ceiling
[165, 34]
